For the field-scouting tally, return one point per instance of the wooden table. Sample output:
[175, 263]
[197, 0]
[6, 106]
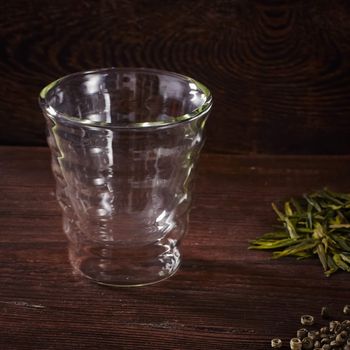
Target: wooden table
[223, 297]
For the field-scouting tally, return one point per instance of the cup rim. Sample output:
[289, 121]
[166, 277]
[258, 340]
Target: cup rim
[56, 115]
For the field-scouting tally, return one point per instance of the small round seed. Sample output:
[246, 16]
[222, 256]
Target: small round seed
[340, 339]
[317, 344]
[307, 343]
[326, 347]
[338, 328]
[334, 343]
[302, 333]
[307, 320]
[324, 312]
[314, 335]
[344, 334]
[295, 344]
[346, 347]
[324, 330]
[325, 341]
[332, 325]
[348, 341]
[276, 343]
[346, 310]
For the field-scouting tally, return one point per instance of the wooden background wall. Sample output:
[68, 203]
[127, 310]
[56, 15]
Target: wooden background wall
[278, 70]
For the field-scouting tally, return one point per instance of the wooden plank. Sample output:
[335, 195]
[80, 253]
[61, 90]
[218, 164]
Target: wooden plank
[223, 297]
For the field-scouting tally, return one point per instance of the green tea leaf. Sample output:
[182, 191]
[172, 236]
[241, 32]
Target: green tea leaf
[272, 244]
[339, 226]
[287, 223]
[287, 209]
[297, 206]
[322, 256]
[340, 263]
[294, 250]
[279, 214]
[345, 257]
[317, 224]
[341, 243]
[312, 202]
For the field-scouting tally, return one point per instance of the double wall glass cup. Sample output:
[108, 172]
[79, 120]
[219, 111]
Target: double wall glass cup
[124, 145]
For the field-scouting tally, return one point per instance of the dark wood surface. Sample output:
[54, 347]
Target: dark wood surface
[223, 297]
[278, 70]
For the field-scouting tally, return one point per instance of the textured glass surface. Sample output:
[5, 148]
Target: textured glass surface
[124, 146]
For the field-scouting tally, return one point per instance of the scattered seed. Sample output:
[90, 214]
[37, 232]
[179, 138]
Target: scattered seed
[314, 335]
[302, 333]
[324, 312]
[325, 341]
[334, 343]
[276, 343]
[307, 343]
[344, 334]
[307, 320]
[346, 323]
[338, 328]
[317, 344]
[340, 339]
[295, 344]
[334, 337]
[324, 330]
[346, 310]
[333, 325]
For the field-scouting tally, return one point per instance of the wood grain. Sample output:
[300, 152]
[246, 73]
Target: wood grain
[278, 70]
[223, 297]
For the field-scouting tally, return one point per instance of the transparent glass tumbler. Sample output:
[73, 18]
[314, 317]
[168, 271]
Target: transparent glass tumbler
[124, 146]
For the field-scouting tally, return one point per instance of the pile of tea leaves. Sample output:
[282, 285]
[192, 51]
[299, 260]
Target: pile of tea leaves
[317, 224]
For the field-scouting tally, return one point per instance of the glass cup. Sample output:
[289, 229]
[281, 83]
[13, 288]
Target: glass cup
[124, 146]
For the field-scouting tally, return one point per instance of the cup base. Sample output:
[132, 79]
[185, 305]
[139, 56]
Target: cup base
[117, 285]
[122, 266]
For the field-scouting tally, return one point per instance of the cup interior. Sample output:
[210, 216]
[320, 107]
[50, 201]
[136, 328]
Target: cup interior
[125, 97]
